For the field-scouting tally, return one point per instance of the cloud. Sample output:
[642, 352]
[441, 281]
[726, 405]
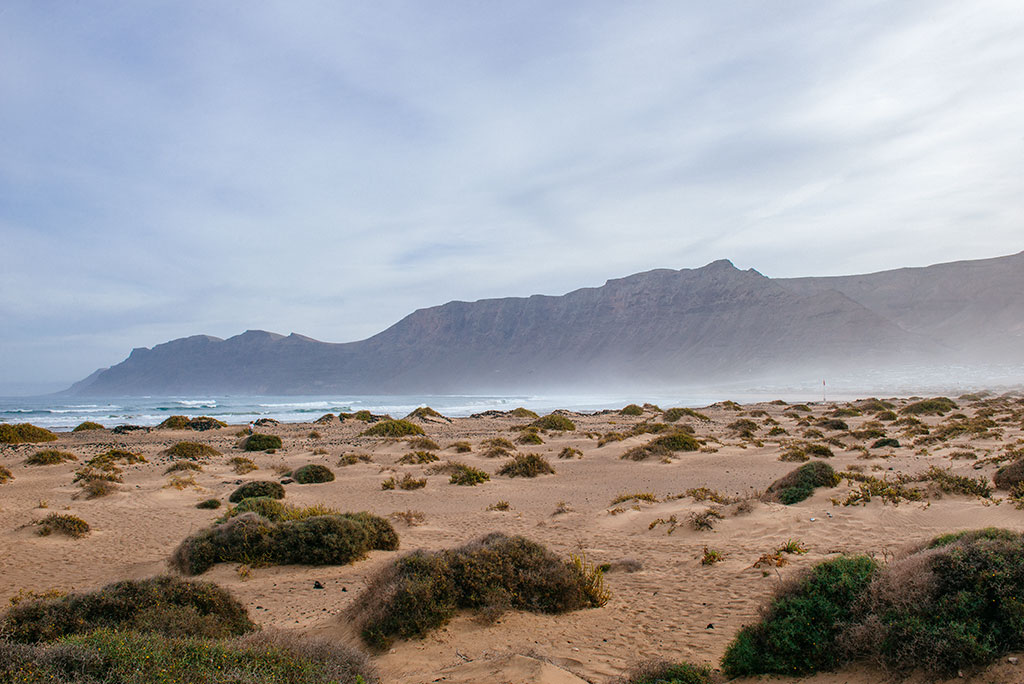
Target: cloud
[326, 168]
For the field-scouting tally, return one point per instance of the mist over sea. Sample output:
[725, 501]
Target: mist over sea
[61, 412]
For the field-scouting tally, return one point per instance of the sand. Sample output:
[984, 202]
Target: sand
[672, 607]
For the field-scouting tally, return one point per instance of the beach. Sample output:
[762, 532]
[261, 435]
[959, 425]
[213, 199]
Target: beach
[634, 517]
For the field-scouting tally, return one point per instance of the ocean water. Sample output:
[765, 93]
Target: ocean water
[60, 413]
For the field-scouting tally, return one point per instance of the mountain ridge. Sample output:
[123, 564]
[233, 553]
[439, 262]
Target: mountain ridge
[660, 327]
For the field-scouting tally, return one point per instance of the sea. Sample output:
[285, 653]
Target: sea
[63, 412]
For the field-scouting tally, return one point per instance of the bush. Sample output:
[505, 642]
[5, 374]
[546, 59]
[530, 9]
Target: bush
[529, 438]
[424, 412]
[570, 452]
[663, 446]
[5, 475]
[393, 428]
[461, 447]
[886, 442]
[23, 433]
[468, 475]
[423, 590]
[191, 450]
[71, 525]
[274, 490]
[955, 605]
[674, 414]
[957, 484]
[799, 484]
[418, 457]
[165, 605]
[526, 465]
[88, 425]
[262, 442]
[937, 406]
[242, 465]
[794, 455]
[521, 412]
[833, 424]
[108, 656]
[670, 673]
[1010, 475]
[555, 422]
[252, 539]
[798, 632]
[423, 444]
[313, 473]
[209, 504]
[631, 410]
[887, 416]
[174, 423]
[203, 423]
[818, 450]
[50, 457]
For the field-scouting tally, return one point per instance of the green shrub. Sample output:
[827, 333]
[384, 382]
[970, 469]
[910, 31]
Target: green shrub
[203, 423]
[663, 446]
[799, 484]
[424, 412]
[886, 442]
[521, 412]
[393, 428]
[798, 633]
[174, 423]
[887, 416]
[119, 657]
[209, 504]
[191, 450]
[957, 484]
[71, 525]
[670, 673]
[674, 414]
[468, 475]
[937, 406]
[529, 438]
[794, 455]
[818, 450]
[108, 458]
[953, 606]
[554, 422]
[274, 490]
[23, 433]
[50, 457]
[252, 539]
[631, 410]
[88, 425]
[262, 442]
[1010, 475]
[165, 605]
[313, 473]
[423, 590]
[526, 465]
[833, 424]
[499, 443]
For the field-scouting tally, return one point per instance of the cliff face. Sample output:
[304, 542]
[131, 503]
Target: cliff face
[658, 328]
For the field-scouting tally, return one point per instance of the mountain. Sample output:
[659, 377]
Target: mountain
[661, 328]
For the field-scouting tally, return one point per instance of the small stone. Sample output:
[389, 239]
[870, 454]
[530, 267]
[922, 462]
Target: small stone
[317, 585]
[287, 480]
[711, 625]
[1012, 660]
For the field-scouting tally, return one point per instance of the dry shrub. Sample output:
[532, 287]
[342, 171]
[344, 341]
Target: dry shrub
[570, 452]
[166, 605]
[422, 444]
[181, 466]
[50, 457]
[5, 475]
[526, 465]
[71, 525]
[409, 517]
[191, 450]
[242, 465]
[423, 590]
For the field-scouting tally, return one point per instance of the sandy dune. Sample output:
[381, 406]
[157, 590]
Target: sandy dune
[672, 607]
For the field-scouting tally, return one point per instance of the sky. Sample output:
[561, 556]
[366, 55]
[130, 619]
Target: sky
[178, 168]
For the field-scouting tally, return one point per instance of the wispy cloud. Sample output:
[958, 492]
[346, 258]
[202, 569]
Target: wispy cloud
[326, 168]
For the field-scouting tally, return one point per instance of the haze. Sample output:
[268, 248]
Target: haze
[327, 168]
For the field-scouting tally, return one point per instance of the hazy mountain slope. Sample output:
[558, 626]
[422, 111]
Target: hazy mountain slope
[661, 327]
[972, 306]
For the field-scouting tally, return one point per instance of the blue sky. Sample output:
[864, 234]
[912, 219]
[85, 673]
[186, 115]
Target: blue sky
[175, 168]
